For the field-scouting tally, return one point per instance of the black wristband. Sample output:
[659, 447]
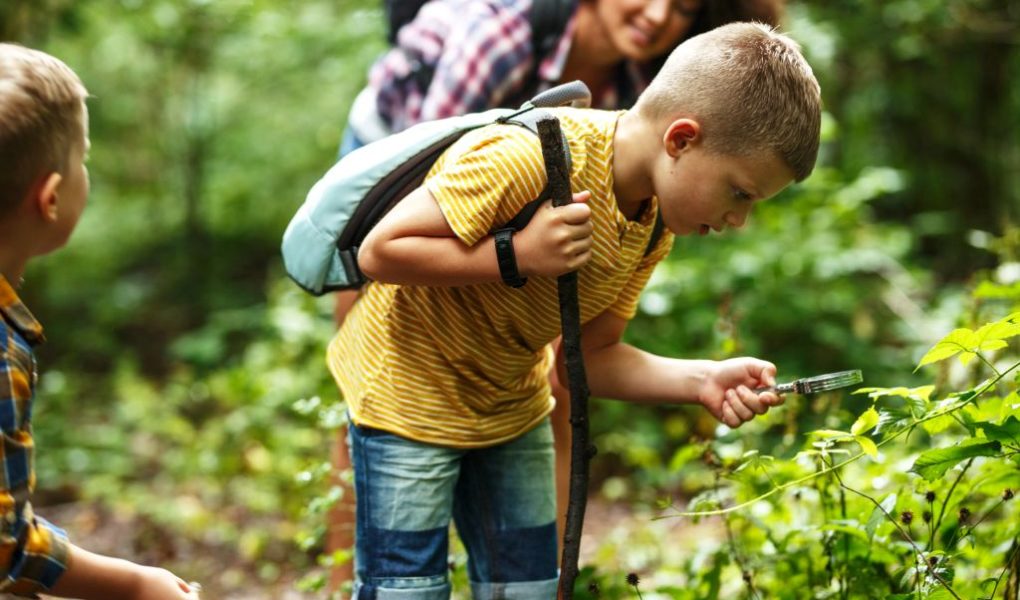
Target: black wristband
[506, 258]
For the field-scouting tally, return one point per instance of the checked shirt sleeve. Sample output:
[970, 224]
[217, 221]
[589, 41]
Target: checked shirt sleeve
[33, 553]
[486, 58]
[478, 53]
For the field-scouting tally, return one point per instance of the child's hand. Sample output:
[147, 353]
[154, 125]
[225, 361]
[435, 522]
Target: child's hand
[728, 391]
[160, 584]
[556, 240]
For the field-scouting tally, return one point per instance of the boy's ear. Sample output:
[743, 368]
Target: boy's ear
[44, 196]
[680, 135]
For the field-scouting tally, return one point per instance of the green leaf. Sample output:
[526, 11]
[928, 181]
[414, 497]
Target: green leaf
[685, 455]
[958, 340]
[831, 433]
[866, 422]
[877, 516]
[992, 345]
[923, 392]
[867, 445]
[1011, 403]
[851, 528]
[934, 463]
[892, 419]
[998, 331]
[918, 406]
[967, 357]
[1008, 432]
[938, 424]
[989, 337]
[991, 290]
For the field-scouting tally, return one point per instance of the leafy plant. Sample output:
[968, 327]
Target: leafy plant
[913, 500]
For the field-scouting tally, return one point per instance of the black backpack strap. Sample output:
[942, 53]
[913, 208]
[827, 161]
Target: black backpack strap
[656, 232]
[529, 118]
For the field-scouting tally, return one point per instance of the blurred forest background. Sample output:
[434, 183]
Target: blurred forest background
[184, 407]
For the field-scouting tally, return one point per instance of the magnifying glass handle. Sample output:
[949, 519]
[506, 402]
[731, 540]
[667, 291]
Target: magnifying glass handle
[781, 388]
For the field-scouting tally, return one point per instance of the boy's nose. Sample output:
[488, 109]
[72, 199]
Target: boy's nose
[736, 220]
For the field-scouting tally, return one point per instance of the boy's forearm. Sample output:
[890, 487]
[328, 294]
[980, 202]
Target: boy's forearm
[436, 261]
[92, 576]
[727, 388]
[623, 372]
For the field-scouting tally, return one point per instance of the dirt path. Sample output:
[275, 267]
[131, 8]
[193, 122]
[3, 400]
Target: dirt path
[617, 538]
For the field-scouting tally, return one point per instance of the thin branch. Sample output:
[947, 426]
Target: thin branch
[985, 360]
[957, 418]
[917, 550]
[846, 545]
[1005, 569]
[942, 510]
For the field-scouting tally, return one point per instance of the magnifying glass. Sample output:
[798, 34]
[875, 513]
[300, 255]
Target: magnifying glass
[816, 384]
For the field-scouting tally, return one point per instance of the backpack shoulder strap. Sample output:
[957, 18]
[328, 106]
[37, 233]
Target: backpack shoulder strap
[657, 228]
[529, 120]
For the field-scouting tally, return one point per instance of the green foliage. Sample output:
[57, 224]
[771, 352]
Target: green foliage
[924, 86]
[230, 453]
[184, 380]
[833, 522]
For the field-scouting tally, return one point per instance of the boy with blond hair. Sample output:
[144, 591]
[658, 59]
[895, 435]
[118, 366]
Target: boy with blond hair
[442, 360]
[43, 189]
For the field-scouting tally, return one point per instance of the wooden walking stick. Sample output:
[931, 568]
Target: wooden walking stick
[581, 451]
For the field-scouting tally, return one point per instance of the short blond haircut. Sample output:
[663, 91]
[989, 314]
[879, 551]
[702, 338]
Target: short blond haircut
[41, 119]
[748, 87]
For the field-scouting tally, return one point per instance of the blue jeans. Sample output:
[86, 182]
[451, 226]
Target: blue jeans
[348, 143]
[502, 500]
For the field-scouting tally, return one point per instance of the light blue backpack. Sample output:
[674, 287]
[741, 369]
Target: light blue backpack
[320, 246]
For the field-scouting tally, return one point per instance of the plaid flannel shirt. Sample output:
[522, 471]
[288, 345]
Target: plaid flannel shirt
[33, 553]
[482, 55]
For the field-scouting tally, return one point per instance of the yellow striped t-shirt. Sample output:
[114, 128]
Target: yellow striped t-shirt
[467, 366]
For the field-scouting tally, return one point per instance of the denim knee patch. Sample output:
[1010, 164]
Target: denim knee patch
[406, 588]
[390, 553]
[524, 590]
[517, 555]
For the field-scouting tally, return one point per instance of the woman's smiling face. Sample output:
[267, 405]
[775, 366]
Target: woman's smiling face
[641, 30]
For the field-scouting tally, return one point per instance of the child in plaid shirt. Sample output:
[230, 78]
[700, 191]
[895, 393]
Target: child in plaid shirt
[43, 187]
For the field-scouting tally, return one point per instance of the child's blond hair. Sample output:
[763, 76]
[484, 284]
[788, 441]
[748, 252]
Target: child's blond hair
[41, 118]
[749, 88]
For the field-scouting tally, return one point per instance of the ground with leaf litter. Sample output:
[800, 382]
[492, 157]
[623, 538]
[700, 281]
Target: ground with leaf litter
[618, 538]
